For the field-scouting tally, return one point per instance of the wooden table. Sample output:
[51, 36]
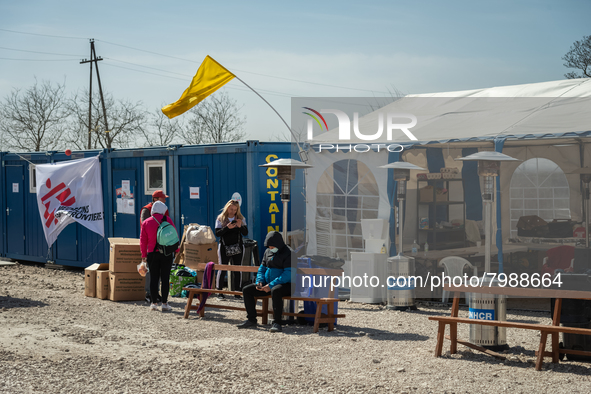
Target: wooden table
[430, 261]
[472, 251]
[554, 329]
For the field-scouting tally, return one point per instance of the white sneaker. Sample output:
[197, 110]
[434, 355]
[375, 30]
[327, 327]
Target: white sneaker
[166, 307]
[154, 307]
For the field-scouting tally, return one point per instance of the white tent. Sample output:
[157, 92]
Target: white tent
[549, 121]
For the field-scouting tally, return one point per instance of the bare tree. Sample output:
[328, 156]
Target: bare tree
[34, 119]
[78, 134]
[296, 135]
[126, 122]
[214, 120]
[579, 57]
[161, 131]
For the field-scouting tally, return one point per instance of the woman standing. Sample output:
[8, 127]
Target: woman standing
[159, 263]
[230, 227]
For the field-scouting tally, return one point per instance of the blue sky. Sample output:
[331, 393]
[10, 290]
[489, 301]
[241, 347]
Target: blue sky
[358, 49]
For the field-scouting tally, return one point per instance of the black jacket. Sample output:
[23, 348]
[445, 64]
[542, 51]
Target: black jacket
[231, 236]
[281, 259]
[276, 267]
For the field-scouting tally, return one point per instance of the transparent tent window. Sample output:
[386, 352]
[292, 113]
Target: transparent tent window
[347, 192]
[539, 187]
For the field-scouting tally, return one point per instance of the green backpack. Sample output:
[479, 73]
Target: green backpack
[167, 238]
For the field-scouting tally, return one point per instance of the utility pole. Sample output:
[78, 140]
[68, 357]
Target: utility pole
[94, 59]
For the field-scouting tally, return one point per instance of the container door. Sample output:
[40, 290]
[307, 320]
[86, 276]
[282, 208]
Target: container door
[126, 219]
[15, 210]
[193, 199]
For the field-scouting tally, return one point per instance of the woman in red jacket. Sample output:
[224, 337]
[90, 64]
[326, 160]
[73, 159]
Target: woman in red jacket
[158, 263]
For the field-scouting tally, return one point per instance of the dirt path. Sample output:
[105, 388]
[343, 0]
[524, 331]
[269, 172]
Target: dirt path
[55, 340]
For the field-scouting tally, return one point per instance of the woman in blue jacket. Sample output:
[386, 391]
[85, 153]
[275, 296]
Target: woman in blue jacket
[274, 276]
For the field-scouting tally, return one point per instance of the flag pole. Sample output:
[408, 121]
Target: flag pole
[26, 159]
[273, 108]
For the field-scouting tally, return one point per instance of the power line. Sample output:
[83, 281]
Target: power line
[187, 60]
[145, 72]
[311, 83]
[181, 74]
[42, 53]
[243, 71]
[271, 92]
[153, 53]
[38, 60]
[151, 68]
[43, 35]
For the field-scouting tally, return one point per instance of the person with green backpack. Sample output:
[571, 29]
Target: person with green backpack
[159, 241]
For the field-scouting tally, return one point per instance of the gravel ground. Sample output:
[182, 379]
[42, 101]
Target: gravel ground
[53, 339]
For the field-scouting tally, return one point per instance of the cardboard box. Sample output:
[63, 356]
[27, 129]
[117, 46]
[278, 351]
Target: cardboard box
[102, 284]
[426, 194]
[196, 254]
[126, 286]
[125, 254]
[90, 278]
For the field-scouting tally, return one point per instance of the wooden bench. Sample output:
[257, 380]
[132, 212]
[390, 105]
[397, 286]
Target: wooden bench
[553, 330]
[265, 312]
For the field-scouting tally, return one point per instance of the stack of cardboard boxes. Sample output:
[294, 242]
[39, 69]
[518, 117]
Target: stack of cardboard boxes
[126, 284]
[96, 281]
[119, 280]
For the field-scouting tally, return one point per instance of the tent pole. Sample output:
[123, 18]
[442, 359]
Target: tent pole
[586, 199]
[285, 192]
[285, 202]
[488, 199]
[401, 198]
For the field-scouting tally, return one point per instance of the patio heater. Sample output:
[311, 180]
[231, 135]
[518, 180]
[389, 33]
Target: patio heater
[401, 292]
[489, 165]
[585, 174]
[286, 173]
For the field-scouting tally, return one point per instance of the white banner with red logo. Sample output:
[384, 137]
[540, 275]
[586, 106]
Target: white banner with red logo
[70, 192]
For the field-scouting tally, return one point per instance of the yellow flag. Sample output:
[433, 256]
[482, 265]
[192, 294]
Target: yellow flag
[210, 77]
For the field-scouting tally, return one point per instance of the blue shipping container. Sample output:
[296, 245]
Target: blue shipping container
[198, 179]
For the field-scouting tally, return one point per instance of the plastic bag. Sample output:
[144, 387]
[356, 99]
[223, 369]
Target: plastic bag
[200, 235]
[142, 268]
[181, 270]
[177, 283]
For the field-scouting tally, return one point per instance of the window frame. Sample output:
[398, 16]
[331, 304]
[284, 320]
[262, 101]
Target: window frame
[32, 179]
[326, 236]
[517, 198]
[151, 164]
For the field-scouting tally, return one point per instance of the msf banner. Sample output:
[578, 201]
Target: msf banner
[70, 192]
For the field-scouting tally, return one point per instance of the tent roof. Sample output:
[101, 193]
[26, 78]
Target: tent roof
[547, 110]
[564, 88]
